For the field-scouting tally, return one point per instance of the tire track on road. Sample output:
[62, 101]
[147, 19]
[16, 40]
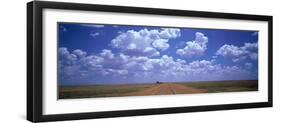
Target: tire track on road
[168, 89]
[171, 88]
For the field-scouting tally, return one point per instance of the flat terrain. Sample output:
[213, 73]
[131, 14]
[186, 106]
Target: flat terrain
[167, 88]
[225, 86]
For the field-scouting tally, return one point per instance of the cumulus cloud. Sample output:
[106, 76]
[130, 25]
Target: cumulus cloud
[248, 51]
[94, 34]
[248, 65]
[107, 54]
[255, 33]
[107, 66]
[196, 47]
[64, 29]
[144, 42]
[66, 57]
[79, 53]
[161, 44]
[78, 65]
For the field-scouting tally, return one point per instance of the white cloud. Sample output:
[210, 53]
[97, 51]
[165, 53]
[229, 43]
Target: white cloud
[196, 47]
[249, 50]
[248, 65]
[79, 53]
[109, 66]
[78, 64]
[161, 44]
[167, 33]
[63, 28]
[214, 57]
[255, 33]
[94, 34]
[253, 56]
[66, 57]
[200, 64]
[144, 42]
[107, 54]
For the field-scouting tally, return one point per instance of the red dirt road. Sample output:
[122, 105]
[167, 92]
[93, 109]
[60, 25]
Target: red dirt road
[168, 89]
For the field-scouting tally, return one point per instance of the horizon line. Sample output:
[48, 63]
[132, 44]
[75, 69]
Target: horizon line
[124, 83]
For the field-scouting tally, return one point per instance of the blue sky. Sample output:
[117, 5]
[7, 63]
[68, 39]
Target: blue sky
[115, 54]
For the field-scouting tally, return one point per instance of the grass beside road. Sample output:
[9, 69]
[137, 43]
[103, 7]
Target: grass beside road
[225, 86]
[69, 92]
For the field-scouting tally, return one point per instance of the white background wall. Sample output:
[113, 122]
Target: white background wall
[13, 61]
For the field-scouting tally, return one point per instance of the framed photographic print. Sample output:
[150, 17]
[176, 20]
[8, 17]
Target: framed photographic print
[96, 61]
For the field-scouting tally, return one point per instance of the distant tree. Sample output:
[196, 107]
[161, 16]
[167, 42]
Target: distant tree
[157, 82]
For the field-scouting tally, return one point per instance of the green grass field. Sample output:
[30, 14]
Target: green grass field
[94, 91]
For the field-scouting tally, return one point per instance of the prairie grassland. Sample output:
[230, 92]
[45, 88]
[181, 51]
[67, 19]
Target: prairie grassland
[225, 86]
[92, 91]
[164, 88]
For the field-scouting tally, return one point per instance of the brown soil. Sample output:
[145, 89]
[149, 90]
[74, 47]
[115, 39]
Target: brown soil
[168, 89]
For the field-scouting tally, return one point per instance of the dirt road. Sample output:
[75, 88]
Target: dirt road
[168, 89]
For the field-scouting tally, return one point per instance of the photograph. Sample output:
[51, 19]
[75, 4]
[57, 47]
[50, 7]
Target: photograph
[90, 60]
[107, 60]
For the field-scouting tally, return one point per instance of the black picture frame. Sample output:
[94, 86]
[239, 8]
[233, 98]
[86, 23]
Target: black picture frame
[35, 69]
